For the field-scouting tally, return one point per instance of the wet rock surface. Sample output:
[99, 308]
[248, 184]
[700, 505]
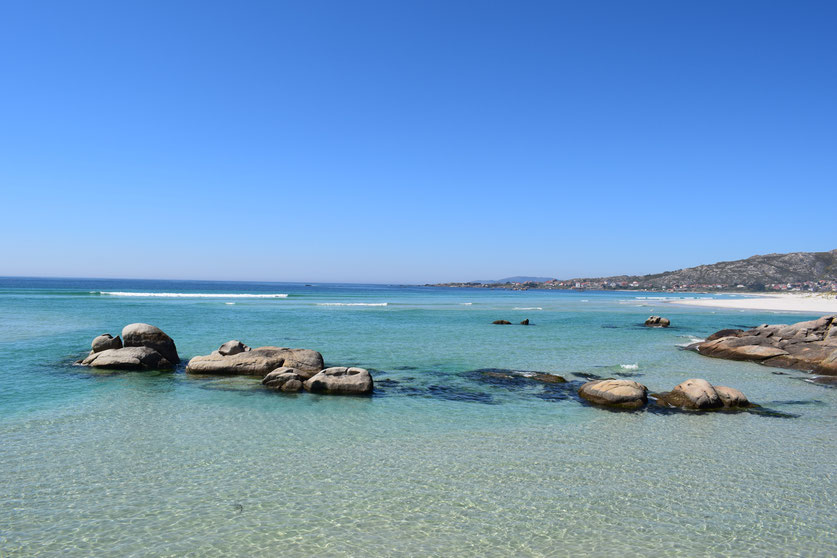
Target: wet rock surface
[657, 321]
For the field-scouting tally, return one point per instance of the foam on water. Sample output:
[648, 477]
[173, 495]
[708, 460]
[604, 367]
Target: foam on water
[527, 308]
[629, 366]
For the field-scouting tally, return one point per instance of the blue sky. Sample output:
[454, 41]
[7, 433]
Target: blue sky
[412, 141]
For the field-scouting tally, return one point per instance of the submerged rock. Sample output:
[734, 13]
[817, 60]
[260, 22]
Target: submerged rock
[104, 342]
[809, 346]
[145, 335]
[341, 380]
[699, 395]
[657, 321]
[258, 362]
[548, 378]
[621, 394]
[284, 379]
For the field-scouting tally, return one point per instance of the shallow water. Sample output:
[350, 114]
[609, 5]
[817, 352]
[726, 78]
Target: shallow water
[442, 460]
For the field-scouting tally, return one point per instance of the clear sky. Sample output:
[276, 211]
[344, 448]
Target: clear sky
[419, 141]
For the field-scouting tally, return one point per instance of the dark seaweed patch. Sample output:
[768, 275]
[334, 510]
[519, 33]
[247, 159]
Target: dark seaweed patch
[587, 375]
[798, 402]
[458, 394]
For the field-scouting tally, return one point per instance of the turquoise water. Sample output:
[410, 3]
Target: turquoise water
[442, 460]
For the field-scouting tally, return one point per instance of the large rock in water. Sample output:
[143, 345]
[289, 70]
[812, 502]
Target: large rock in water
[128, 358]
[258, 362]
[340, 380]
[104, 342]
[699, 395]
[622, 394]
[657, 321]
[810, 346]
[145, 335]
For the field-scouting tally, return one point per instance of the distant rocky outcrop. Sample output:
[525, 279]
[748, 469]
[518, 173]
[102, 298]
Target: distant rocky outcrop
[525, 322]
[817, 270]
[620, 394]
[809, 346]
[146, 347]
[242, 360]
[341, 380]
[501, 322]
[699, 395]
[657, 321]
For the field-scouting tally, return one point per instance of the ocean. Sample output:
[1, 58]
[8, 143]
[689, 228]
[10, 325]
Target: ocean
[442, 460]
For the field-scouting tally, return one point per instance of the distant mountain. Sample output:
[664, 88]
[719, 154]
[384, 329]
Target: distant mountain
[516, 279]
[753, 272]
[815, 271]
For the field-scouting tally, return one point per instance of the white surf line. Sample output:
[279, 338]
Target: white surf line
[193, 295]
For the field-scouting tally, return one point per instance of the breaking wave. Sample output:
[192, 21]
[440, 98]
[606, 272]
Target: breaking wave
[629, 366]
[191, 295]
[529, 308]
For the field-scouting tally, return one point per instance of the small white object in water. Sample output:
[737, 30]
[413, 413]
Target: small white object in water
[629, 366]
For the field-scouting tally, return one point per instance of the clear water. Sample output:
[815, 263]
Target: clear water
[440, 461]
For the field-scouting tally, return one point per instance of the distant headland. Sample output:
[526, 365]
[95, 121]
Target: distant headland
[794, 272]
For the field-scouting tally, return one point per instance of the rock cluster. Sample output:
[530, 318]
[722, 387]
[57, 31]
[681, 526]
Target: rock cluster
[700, 395]
[236, 358]
[691, 395]
[657, 321]
[283, 369]
[142, 347]
[810, 346]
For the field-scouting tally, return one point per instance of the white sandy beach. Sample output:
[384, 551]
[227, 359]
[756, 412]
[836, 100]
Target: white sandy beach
[811, 303]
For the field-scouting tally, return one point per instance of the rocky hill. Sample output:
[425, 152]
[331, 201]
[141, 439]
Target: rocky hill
[754, 272]
[809, 271]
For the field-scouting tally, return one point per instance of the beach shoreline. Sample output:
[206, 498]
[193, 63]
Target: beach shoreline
[809, 303]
